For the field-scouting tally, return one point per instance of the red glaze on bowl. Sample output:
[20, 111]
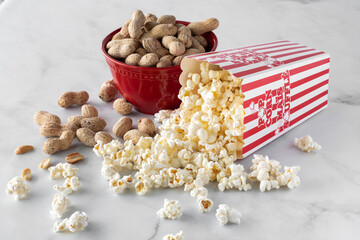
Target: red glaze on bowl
[149, 89]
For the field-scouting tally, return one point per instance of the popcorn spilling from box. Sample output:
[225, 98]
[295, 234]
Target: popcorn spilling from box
[233, 103]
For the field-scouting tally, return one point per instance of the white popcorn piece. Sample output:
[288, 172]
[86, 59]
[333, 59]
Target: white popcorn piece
[171, 210]
[265, 171]
[268, 173]
[71, 184]
[98, 149]
[202, 177]
[109, 172]
[205, 204]
[77, 222]
[268, 185]
[59, 205]
[119, 185]
[128, 180]
[199, 192]
[64, 170]
[108, 149]
[289, 177]
[157, 180]
[189, 186]
[141, 187]
[162, 115]
[306, 144]
[143, 183]
[223, 184]
[18, 188]
[177, 236]
[60, 226]
[176, 177]
[225, 214]
[233, 176]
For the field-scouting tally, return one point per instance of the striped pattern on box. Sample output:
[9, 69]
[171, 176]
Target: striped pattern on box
[284, 84]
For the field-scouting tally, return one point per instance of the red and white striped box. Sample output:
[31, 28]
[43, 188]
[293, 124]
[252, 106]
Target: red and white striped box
[284, 84]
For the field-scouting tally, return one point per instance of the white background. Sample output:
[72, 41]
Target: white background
[48, 47]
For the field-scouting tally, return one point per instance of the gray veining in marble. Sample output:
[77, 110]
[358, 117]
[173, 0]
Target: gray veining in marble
[49, 47]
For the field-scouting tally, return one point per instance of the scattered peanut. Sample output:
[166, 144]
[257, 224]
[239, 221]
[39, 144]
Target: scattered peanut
[135, 26]
[167, 19]
[26, 174]
[149, 60]
[147, 126]
[122, 126]
[134, 135]
[86, 136]
[74, 121]
[74, 158]
[53, 145]
[122, 106]
[52, 129]
[104, 137]
[108, 91]
[42, 117]
[88, 110]
[198, 28]
[44, 164]
[94, 123]
[70, 98]
[23, 149]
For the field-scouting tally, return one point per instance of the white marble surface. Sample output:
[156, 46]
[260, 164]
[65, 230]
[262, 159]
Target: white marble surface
[49, 47]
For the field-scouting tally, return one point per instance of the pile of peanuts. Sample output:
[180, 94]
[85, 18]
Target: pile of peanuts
[88, 127]
[148, 41]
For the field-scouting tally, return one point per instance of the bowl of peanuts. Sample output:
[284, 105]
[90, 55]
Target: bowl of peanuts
[144, 57]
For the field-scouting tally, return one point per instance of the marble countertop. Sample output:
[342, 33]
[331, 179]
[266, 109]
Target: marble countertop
[49, 47]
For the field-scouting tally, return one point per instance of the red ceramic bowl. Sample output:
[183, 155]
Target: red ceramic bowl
[149, 89]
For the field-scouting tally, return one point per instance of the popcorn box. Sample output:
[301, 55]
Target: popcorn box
[284, 84]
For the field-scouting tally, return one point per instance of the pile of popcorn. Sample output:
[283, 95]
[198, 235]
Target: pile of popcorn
[196, 144]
